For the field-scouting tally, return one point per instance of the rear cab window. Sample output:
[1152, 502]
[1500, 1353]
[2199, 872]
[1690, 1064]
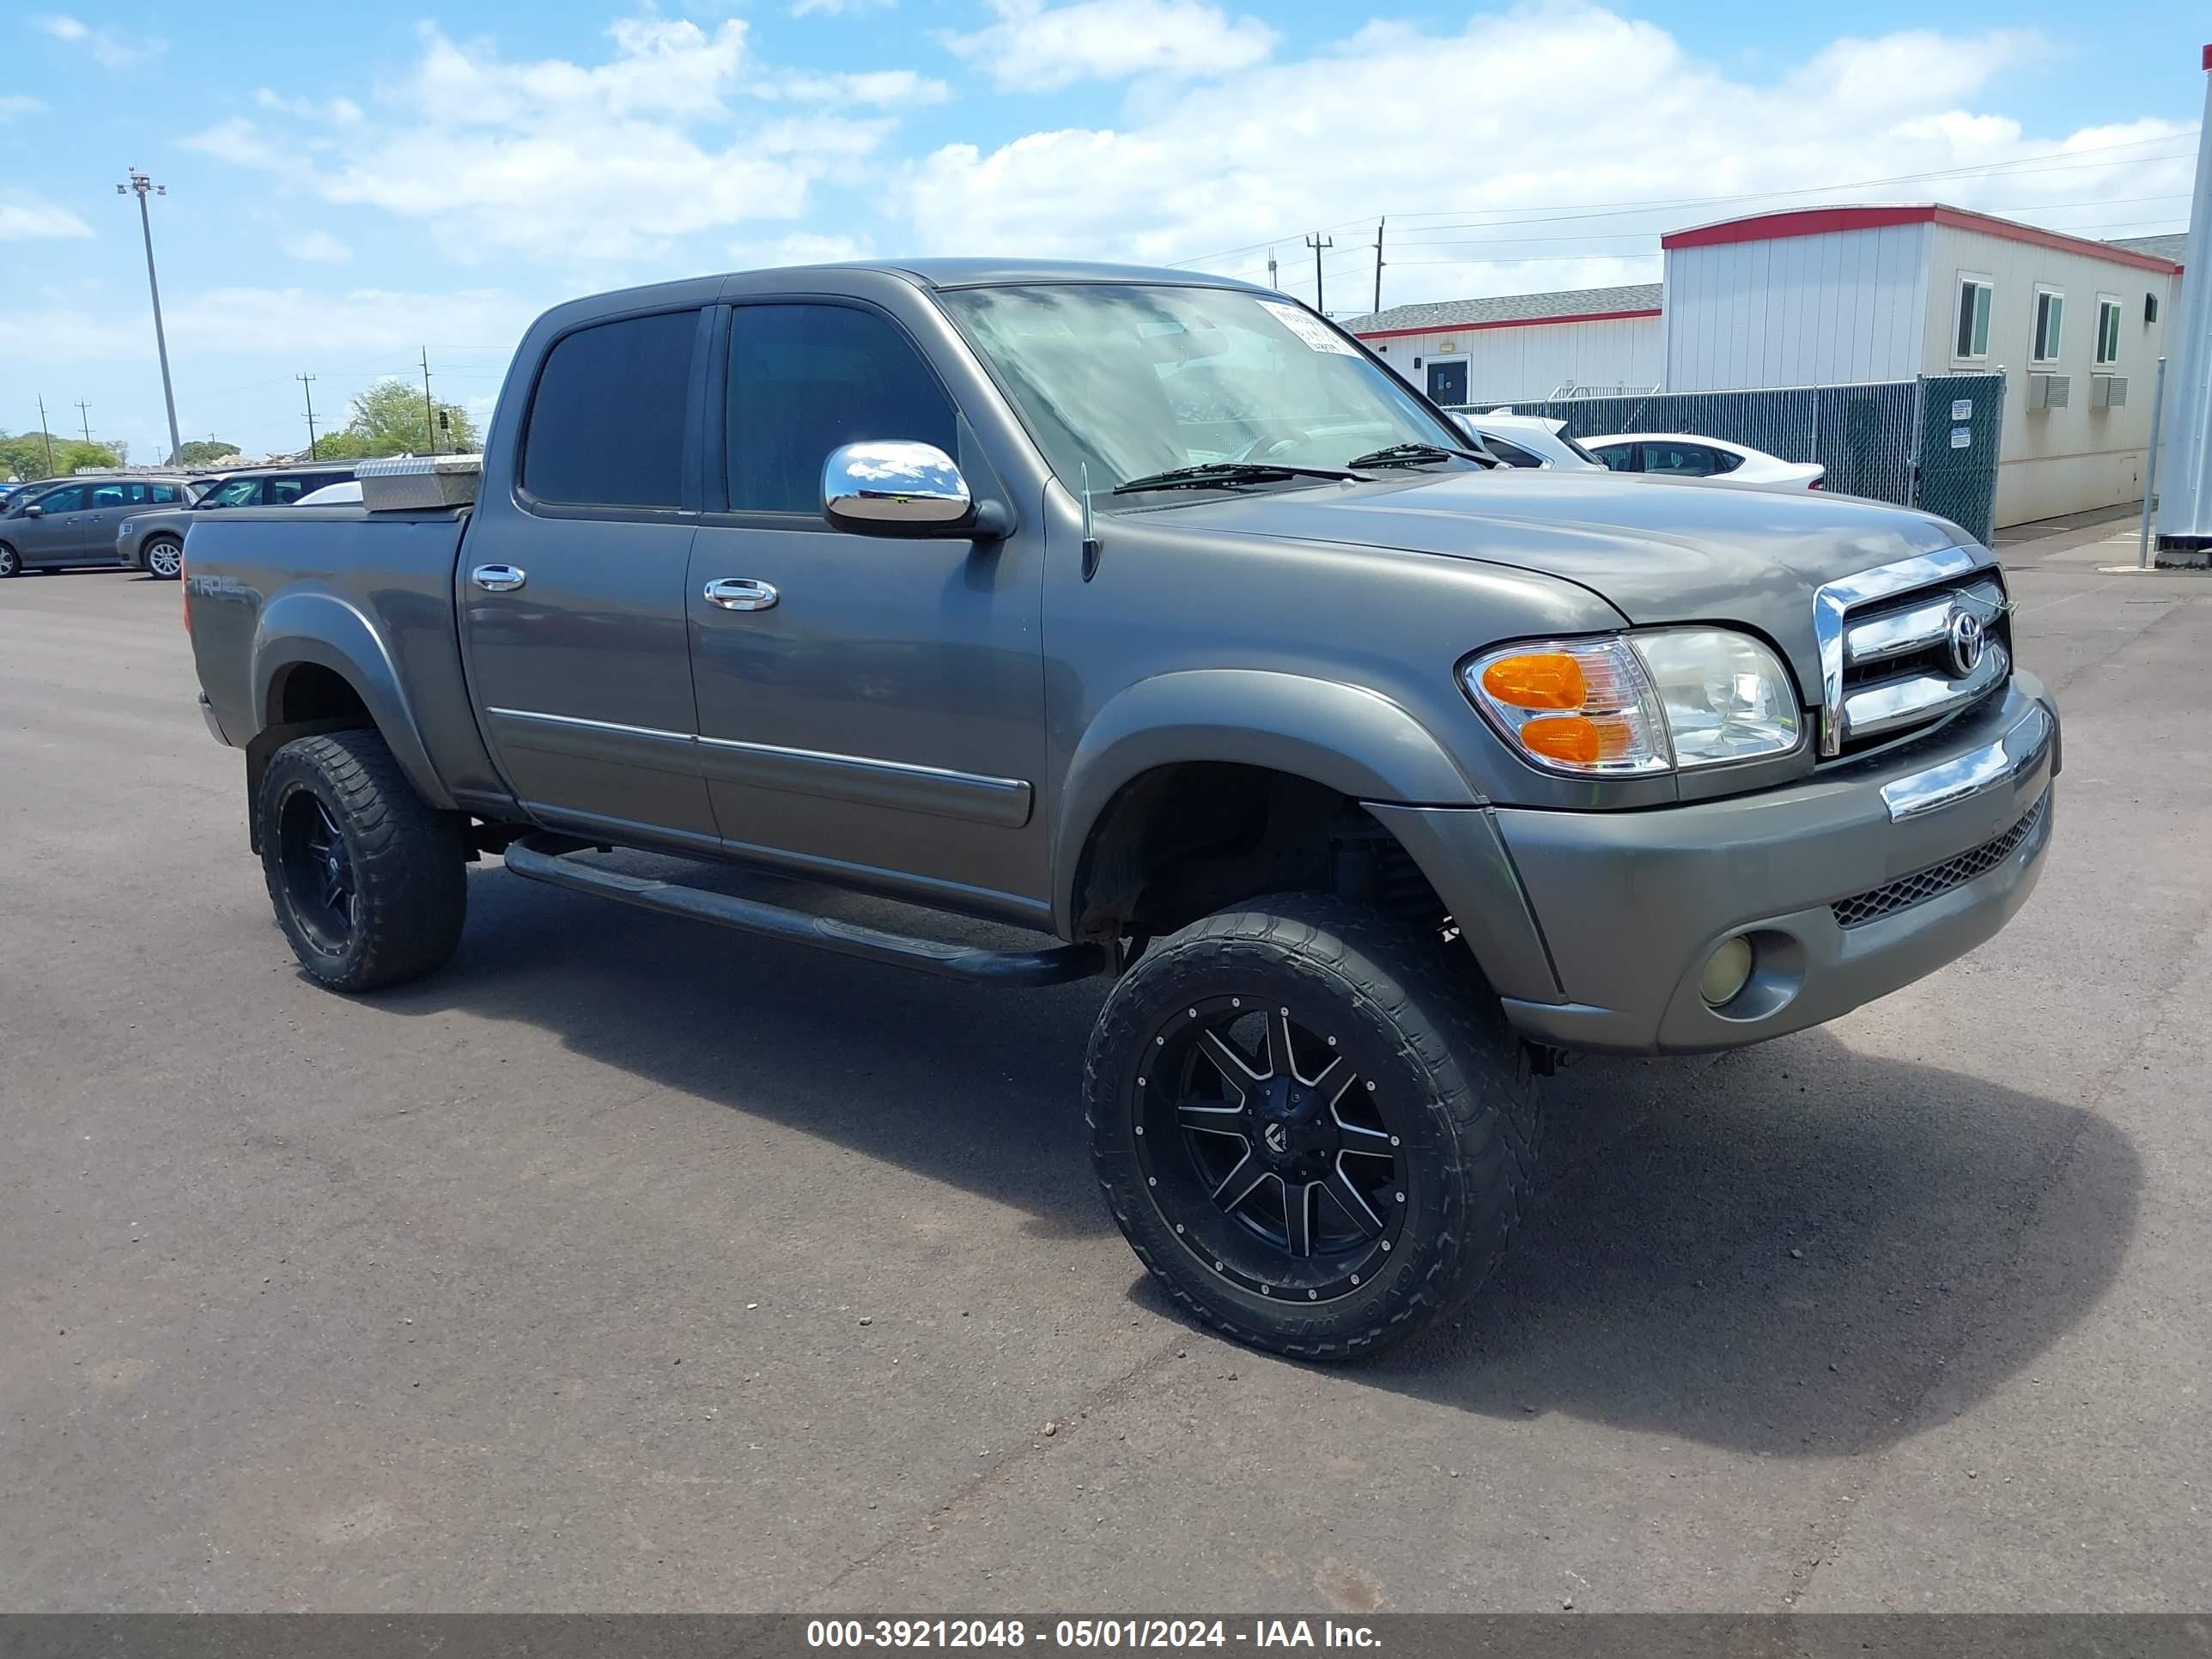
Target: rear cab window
[609, 417]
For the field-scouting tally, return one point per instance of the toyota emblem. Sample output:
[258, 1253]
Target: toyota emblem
[1967, 640]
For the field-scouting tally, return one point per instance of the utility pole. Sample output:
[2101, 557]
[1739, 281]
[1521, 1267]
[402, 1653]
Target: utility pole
[429, 411]
[1378, 263]
[1317, 243]
[307, 384]
[2184, 501]
[1271, 282]
[47, 435]
[143, 186]
[85, 414]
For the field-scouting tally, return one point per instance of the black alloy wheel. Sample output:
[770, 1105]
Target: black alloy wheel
[319, 873]
[1260, 1132]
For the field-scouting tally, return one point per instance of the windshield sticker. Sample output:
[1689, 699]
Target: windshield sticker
[1308, 328]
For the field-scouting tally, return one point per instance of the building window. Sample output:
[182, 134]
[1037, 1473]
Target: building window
[1973, 331]
[2108, 330]
[2050, 316]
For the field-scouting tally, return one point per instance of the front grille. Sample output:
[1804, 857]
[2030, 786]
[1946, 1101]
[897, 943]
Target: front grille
[1890, 897]
[1887, 651]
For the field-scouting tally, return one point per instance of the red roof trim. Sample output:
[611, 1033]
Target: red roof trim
[1501, 322]
[1820, 221]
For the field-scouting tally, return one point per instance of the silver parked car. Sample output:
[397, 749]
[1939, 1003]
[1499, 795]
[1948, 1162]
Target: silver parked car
[72, 522]
[155, 542]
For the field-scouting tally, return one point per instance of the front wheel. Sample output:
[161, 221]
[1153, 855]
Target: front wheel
[165, 558]
[11, 561]
[369, 882]
[1312, 1123]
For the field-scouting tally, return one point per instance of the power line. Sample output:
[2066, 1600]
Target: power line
[2054, 162]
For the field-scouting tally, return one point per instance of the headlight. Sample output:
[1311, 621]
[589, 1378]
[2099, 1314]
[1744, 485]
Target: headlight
[1638, 704]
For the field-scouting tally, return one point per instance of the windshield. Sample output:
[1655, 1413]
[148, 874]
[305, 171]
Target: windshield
[1130, 381]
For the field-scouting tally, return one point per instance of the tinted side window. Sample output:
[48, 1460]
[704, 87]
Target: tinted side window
[805, 378]
[165, 494]
[107, 495]
[283, 491]
[606, 424]
[1678, 460]
[1511, 454]
[233, 492]
[1621, 458]
[68, 500]
[1724, 461]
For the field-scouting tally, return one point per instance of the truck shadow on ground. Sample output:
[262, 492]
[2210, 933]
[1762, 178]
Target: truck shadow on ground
[1794, 1250]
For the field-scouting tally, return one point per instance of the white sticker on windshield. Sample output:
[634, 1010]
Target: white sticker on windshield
[1309, 328]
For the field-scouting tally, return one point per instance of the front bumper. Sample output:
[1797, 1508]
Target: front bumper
[1926, 857]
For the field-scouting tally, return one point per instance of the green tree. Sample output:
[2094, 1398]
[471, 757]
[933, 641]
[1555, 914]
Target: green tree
[25, 456]
[204, 451]
[389, 419]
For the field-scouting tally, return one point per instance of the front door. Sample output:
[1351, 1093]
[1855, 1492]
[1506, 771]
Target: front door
[56, 534]
[1448, 383]
[572, 597]
[883, 718]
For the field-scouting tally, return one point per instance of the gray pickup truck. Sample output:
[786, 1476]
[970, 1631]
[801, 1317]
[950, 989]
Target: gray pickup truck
[1149, 612]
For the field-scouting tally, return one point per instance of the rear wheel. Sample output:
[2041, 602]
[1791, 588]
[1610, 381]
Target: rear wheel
[368, 881]
[1312, 1123]
[11, 561]
[165, 558]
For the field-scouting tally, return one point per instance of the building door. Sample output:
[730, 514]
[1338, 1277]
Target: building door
[1448, 383]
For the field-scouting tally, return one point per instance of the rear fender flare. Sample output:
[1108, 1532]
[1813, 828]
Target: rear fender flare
[320, 628]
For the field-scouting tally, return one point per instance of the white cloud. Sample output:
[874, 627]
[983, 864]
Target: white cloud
[111, 48]
[12, 106]
[799, 248]
[878, 88]
[291, 326]
[25, 218]
[1034, 47]
[1512, 190]
[319, 245]
[584, 164]
[836, 7]
[338, 111]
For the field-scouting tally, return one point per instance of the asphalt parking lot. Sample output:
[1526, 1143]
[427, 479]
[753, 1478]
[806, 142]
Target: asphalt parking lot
[629, 1264]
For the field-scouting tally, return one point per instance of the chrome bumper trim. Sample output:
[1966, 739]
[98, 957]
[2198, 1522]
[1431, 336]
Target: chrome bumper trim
[1977, 771]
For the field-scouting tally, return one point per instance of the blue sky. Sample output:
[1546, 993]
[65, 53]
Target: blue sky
[348, 185]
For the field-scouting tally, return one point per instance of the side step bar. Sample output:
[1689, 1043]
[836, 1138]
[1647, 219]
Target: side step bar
[542, 857]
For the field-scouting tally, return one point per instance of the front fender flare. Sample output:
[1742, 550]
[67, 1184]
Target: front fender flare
[305, 626]
[1343, 737]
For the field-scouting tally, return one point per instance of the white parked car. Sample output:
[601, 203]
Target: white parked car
[1708, 460]
[1529, 441]
[337, 495]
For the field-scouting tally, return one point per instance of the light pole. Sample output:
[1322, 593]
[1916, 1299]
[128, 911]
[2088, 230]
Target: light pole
[143, 187]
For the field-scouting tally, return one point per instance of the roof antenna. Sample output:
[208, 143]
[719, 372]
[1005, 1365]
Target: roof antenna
[1089, 534]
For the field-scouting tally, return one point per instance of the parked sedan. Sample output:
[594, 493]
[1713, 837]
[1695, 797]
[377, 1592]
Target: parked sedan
[72, 522]
[155, 542]
[1531, 441]
[1710, 461]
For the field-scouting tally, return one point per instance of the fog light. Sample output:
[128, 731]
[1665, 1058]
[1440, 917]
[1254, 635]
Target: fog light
[1726, 970]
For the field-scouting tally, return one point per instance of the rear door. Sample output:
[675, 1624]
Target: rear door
[883, 715]
[572, 592]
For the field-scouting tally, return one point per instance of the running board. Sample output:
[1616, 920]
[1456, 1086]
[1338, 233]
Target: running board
[544, 858]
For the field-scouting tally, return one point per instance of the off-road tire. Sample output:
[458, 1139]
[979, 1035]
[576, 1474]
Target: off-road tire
[157, 545]
[1415, 1014]
[11, 561]
[409, 888]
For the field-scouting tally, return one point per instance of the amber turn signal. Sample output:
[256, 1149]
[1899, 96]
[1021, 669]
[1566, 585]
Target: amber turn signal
[1537, 679]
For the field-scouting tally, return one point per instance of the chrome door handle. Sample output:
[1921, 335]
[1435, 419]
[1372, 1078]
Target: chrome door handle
[737, 594]
[499, 578]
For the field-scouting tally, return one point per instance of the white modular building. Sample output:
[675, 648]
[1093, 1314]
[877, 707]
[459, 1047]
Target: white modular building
[1844, 295]
[1826, 296]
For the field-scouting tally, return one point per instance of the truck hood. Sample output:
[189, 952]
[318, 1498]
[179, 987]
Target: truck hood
[1657, 551]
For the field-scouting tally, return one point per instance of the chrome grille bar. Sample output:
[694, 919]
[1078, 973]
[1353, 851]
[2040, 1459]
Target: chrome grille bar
[1921, 698]
[1902, 632]
[1833, 603]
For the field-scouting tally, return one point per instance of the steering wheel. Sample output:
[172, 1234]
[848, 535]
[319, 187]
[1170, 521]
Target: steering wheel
[1265, 447]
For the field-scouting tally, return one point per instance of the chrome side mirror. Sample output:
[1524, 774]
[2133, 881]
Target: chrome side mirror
[895, 488]
[34, 511]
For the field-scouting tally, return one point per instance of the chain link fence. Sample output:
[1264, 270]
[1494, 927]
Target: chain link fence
[1931, 442]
